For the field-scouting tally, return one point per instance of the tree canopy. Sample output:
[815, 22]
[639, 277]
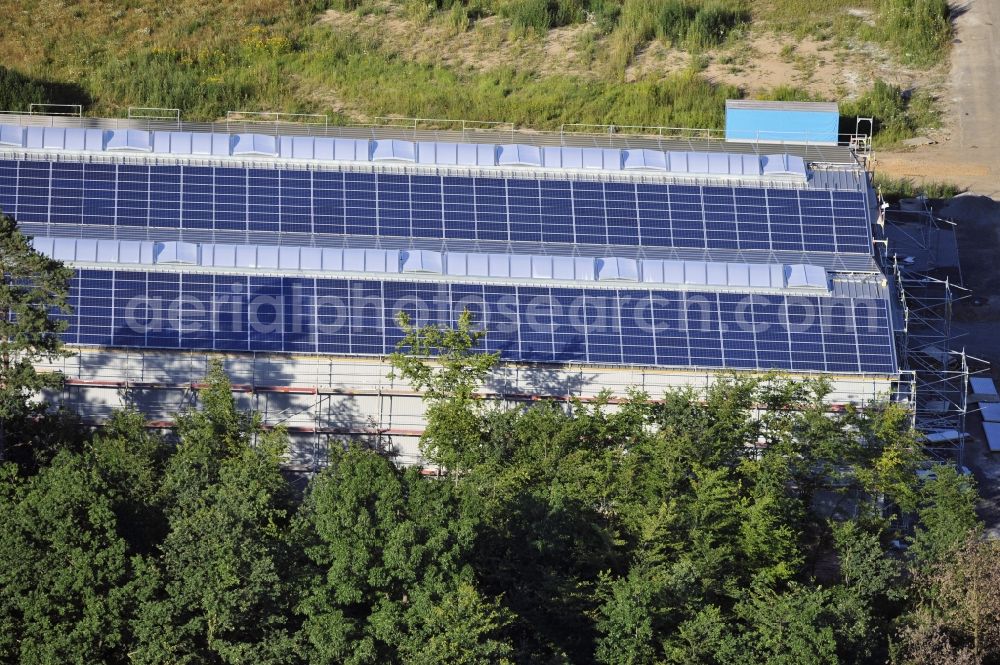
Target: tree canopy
[744, 523]
[34, 297]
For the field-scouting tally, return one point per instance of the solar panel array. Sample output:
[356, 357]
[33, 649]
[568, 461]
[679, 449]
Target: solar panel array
[180, 144]
[755, 277]
[543, 324]
[419, 206]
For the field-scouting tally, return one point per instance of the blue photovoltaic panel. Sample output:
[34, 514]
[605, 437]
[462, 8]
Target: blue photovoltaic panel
[404, 206]
[539, 324]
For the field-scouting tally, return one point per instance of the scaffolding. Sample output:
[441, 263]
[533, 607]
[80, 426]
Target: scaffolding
[926, 295]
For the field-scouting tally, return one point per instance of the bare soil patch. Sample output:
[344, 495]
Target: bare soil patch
[967, 148]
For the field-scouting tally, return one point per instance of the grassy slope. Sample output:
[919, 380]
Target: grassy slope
[268, 54]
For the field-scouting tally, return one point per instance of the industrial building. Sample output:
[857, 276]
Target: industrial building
[592, 259]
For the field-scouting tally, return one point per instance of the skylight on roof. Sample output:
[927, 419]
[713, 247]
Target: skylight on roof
[129, 140]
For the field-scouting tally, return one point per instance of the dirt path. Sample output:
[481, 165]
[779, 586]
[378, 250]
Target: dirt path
[968, 150]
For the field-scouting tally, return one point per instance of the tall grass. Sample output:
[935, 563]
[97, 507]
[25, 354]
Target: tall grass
[683, 23]
[18, 91]
[379, 83]
[204, 85]
[919, 29]
[894, 189]
[896, 118]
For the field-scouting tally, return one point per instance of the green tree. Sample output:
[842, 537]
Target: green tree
[462, 628]
[224, 576]
[33, 288]
[795, 626]
[441, 362]
[958, 616]
[945, 516]
[389, 554]
[65, 573]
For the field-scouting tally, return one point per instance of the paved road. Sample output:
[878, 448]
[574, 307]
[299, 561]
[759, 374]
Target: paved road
[970, 153]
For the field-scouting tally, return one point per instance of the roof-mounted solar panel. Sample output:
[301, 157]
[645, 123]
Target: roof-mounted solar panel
[393, 150]
[802, 276]
[381, 260]
[421, 261]
[246, 256]
[433, 152]
[744, 165]
[643, 159]
[300, 147]
[695, 273]
[107, 251]
[324, 149]
[86, 250]
[310, 258]
[716, 274]
[333, 259]
[783, 165]
[224, 256]
[498, 265]
[12, 135]
[760, 276]
[697, 162]
[580, 267]
[129, 140]
[475, 154]
[173, 143]
[176, 251]
[255, 144]
[617, 269]
[562, 158]
[76, 139]
[43, 245]
[677, 162]
[204, 143]
[519, 154]
[541, 267]
[350, 150]
[64, 249]
[738, 275]
[267, 257]
[288, 258]
[718, 163]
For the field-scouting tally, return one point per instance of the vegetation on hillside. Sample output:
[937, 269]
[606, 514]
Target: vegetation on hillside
[894, 189]
[207, 60]
[693, 529]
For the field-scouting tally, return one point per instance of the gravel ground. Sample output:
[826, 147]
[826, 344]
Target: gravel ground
[967, 152]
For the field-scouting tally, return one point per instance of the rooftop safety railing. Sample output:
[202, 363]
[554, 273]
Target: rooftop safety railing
[462, 131]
